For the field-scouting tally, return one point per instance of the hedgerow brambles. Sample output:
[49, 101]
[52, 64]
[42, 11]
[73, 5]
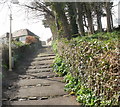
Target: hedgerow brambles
[93, 66]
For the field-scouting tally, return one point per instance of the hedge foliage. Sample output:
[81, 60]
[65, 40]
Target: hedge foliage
[91, 67]
[19, 51]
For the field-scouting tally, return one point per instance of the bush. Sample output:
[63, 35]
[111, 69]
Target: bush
[19, 51]
[93, 65]
[31, 39]
[59, 66]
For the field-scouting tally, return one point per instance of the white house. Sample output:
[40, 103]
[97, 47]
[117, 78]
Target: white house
[19, 35]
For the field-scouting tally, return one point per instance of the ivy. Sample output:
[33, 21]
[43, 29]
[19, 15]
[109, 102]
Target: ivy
[59, 66]
[91, 68]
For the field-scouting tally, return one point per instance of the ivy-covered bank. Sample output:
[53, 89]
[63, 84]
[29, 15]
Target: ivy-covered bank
[90, 67]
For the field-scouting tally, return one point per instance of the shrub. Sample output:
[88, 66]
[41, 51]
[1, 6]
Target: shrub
[94, 66]
[59, 66]
[31, 39]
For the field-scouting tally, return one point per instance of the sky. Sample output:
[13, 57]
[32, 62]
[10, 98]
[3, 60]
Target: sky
[22, 21]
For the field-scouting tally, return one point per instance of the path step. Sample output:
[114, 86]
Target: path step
[35, 67]
[23, 82]
[38, 77]
[45, 55]
[38, 62]
[44, 58]
[42, 91]
[43, 74]
[61, 100]
[41, 59]
[34, 70]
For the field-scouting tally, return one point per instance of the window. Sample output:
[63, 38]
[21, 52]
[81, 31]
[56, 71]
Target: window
[23, 38]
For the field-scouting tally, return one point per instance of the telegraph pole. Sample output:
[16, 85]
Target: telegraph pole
[10, 48]
[10, 35]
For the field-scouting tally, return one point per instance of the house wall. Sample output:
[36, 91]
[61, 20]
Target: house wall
[20, 34]
[22, 39]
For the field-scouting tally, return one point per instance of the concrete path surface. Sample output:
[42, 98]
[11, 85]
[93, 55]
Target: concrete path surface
[34, 83]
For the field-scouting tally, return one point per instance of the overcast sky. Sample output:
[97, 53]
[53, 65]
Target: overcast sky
[20, 21]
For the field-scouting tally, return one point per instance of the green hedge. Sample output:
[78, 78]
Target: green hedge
[19, 52]
[91, 67]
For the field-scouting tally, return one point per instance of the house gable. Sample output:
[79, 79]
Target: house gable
[23, 32]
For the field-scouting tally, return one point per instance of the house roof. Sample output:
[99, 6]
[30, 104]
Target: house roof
[23, 32]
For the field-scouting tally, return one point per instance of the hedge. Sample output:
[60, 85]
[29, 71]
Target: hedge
[91, 67]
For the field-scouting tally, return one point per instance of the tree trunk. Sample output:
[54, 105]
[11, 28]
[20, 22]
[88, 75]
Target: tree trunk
[56, 22]
[79, 18]
[63, 20]
[111, 20]
[89, 18]
[72, 16]
[99, 23]
[98, 13]
[108, 15]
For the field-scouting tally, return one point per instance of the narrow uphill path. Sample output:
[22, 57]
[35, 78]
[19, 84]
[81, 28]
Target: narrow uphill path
[34, 83]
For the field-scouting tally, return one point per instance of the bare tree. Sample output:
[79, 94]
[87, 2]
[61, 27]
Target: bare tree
[3, 1]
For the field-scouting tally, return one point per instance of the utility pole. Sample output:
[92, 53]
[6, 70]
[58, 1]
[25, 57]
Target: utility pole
[119, 14]
[10, 34]
[10, 48]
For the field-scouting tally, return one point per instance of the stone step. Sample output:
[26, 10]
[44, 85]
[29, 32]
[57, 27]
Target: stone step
[41, 58]
[35, 67]
[58, 100]
[45, 91]
[30, 76]
[42, 74]
[44, 58]
[34, 70]
[26, 82]
[38, 63]
[41, 61]
[45, 55]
